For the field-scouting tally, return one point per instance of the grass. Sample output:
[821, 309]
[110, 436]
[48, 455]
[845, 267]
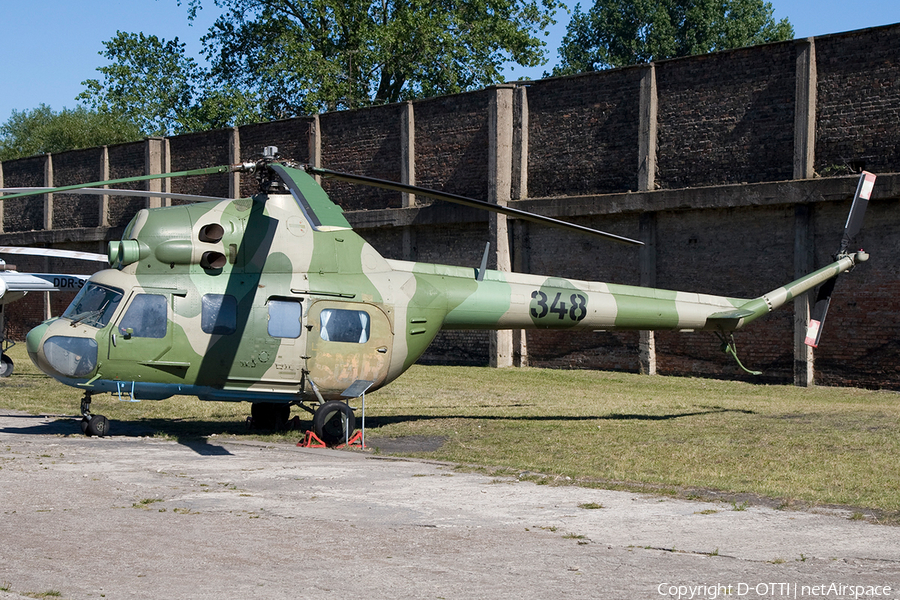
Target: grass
[824, 446]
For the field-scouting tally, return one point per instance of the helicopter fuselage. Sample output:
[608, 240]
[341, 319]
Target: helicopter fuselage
[276, 299]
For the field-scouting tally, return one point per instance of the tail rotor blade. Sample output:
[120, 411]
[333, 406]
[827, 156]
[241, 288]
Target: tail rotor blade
[858, 209]
[819, 311]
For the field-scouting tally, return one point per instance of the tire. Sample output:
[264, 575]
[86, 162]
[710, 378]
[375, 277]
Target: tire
[84, 425]
[98, 426]
[329, 421]
[6, 366]
[269, 415]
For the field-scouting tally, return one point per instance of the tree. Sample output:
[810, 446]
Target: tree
[39, 131]
[304, 57]
[150, 79]
[616, 33]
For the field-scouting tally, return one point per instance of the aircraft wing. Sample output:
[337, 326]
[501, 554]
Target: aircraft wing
[14, 285]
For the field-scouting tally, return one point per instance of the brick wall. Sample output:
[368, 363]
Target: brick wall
[24, 214]
[196, 151]
[125, 160]
[583, 134]
[858, 108]
[76, 210]
[727, 117]
[723, 118]
[452, 144]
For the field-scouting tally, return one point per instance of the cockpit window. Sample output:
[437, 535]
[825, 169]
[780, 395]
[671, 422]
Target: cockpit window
[94, 305]
[340, 325]
[146, 317]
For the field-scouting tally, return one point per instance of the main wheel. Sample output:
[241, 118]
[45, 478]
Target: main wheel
[334, 422]
[269, 415]
[6, 366]
[98, 426]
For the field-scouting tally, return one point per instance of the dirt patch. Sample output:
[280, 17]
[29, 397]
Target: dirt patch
[406, 444]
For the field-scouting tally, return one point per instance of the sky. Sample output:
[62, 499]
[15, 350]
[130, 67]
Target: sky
[52, 46]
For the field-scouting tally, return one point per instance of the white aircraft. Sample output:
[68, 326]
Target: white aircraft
[14, 285]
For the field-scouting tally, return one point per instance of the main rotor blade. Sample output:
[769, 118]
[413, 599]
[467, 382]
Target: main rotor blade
[113, 192]
[73, 254]
[472, 202]
[96, 184]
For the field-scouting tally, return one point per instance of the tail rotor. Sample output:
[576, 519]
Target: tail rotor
[851, 229]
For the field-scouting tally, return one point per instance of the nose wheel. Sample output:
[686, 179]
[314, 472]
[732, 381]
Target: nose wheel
[6, 366]
[92, 425]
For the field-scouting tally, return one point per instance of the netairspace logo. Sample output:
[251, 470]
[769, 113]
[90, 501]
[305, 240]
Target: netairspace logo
[831, 591]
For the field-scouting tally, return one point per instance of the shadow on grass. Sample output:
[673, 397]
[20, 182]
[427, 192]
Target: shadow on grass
[383, 421]
[191, 434]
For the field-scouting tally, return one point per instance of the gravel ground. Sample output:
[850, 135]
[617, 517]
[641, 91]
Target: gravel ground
[132, 517]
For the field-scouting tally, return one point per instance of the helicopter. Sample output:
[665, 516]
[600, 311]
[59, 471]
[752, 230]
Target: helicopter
[14, 286]
[275, 300]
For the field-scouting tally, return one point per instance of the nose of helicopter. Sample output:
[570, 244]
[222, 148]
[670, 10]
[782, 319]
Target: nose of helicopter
[60, 356]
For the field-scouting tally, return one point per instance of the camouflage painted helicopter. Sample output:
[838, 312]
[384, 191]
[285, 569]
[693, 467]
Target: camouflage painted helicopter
[275, 300]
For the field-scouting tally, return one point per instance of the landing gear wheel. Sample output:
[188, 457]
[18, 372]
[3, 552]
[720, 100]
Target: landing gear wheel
[334, 422]
[98, 426]
[6, 366]
[269, 415]
[84, 425]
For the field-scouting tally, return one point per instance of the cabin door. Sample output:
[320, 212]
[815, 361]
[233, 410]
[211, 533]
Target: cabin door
[348, 342]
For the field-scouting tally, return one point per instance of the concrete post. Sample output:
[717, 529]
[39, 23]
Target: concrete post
[647, 341]
[1, 200]
[500, 136]
[408, 174]
[103, 217]
[315, 145]
[647, 139]
[408, 152]
[520, 145]
[154, 156]
[48, 221]
[519, 191]
[805, 110]
[48, 198]
[804, 160]
[804, 258]
[234, 157]
[647, 130]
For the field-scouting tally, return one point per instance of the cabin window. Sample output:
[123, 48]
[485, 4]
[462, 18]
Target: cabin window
[146, 317]
[218, 314]
[284, 318]
[94, 305]
[340, 325]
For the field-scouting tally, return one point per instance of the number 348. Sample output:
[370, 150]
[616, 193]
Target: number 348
[575, 308]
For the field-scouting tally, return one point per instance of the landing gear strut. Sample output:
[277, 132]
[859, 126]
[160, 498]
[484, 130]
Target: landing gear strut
[92, 425]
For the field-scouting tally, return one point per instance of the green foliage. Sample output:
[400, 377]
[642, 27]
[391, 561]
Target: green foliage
[41, 130]
[616, 33]
[302, 58]
[273, 59]
[159, 87]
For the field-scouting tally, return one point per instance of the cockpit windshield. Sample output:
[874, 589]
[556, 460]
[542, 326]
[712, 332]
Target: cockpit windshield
[94, 305]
